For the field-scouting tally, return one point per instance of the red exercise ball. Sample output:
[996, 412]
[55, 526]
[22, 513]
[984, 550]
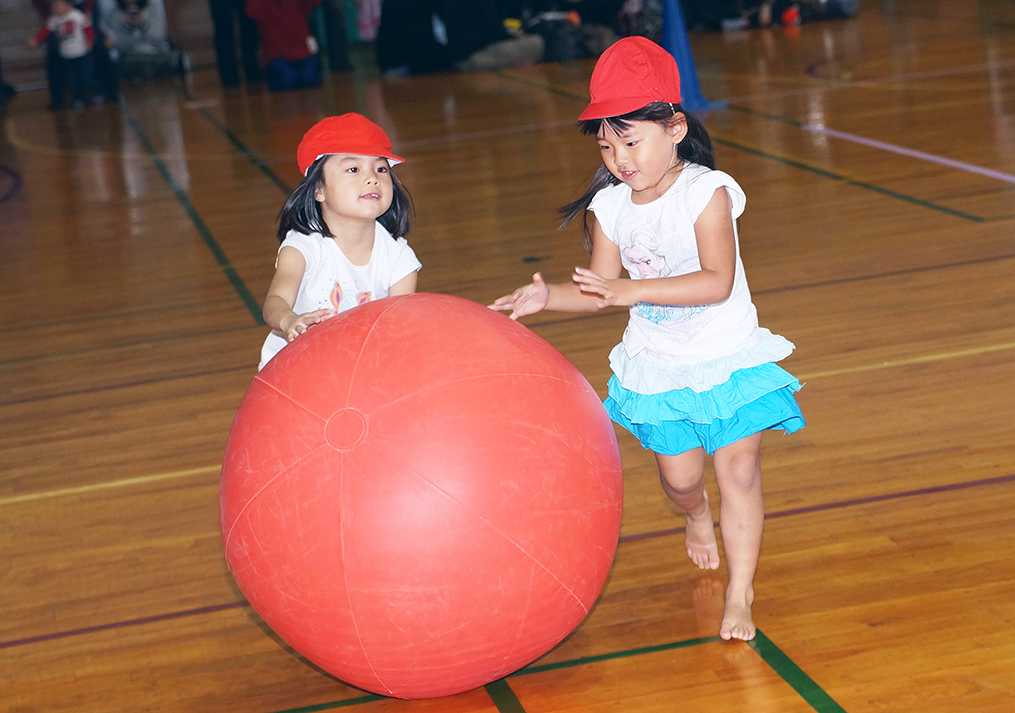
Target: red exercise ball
[421, 496]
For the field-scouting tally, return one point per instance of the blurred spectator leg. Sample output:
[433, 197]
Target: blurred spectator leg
[337, 43]
[6, 90]
[227, 16]
[55, 75]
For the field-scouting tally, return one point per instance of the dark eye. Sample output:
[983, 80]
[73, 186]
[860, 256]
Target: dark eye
[382, 169]
[353, 169]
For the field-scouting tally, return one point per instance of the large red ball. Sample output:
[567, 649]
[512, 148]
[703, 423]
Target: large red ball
[421, 496]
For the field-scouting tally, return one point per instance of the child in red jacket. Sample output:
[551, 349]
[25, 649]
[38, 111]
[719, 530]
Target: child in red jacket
[288, 48]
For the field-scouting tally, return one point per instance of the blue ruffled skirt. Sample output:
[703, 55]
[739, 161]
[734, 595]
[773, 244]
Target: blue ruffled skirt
[751, 400]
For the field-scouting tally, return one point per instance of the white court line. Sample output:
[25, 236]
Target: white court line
[933, 158]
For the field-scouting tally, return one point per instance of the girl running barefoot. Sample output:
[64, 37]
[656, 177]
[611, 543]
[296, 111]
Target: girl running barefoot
[694, 374]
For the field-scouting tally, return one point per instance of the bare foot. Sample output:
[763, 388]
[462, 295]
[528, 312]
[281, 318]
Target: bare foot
[699, 537]
[736, 619]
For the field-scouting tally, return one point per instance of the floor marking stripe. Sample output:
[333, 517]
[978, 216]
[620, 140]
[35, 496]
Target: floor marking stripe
[822, 507]
[123, 624]
[975, 351]
[628, 653]
[764, 154]
[912, 153]
[793, 675]
[925, 359]
[27, 497]
[206, 235]
[336, 704]
[503, 697]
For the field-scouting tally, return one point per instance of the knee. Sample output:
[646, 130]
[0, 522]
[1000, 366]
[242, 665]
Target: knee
[682, 483]
[742, 471]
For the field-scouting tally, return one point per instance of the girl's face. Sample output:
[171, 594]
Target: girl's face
[642, 155]
[354, 188]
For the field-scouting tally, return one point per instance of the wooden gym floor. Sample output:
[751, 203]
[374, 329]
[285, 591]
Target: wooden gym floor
[878, 157]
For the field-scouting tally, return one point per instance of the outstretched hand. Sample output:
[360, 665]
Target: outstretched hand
[302, 322]
[525, 300]
[609, 292]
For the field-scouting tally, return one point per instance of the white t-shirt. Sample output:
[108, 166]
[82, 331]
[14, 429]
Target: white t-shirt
[331, 281]
[657, 240]
[70, 31]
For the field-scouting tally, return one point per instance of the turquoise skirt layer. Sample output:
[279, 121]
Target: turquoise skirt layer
[750, 401]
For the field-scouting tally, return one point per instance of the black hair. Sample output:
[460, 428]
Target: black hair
[695, 147]
[302, 211]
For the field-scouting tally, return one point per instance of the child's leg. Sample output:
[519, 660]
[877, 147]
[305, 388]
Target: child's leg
[683, 480]
[741, 520]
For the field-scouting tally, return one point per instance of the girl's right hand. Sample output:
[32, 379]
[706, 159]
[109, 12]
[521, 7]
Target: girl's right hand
[525, 300]
[302, 322]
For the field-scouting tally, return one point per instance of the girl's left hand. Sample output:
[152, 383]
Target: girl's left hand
[610, 292]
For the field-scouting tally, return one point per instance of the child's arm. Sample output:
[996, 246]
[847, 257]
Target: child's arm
[567, 297]
[405, 286]
[285, 286]
[39, 37]
[717, 253]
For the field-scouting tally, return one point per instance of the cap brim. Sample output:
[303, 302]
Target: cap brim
[618, 107]
[393, 160]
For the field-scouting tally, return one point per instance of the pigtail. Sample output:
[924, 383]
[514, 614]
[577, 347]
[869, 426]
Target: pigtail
[602, 179]
[696, 146]
[397, 218]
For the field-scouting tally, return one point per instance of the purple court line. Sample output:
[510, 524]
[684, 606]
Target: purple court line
[15, 183]
[123, 624]
[847, 503]
[630, 538]
[912, 153]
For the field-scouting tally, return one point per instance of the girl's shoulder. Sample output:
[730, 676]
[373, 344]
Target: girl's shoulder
[610, 196]
[387, 242]
[697, 184]
[311, 245]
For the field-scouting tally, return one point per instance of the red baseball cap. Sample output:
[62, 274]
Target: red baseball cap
[349, 133]
[632, 73]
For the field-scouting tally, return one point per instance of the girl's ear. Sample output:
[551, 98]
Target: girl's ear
[319, 192]
[678, 127]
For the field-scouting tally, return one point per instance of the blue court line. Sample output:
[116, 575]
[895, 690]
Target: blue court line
[209, 239]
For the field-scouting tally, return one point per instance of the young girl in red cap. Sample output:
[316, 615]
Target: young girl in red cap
[694, 374]
[341, 231]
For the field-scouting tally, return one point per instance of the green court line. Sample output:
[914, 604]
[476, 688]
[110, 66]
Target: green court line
[209, 239]
[336, 704]
[503, 697]
[240, 146]
[506, 701]
[764, 154]
[794, 675]
[850, 181]
[617, 655]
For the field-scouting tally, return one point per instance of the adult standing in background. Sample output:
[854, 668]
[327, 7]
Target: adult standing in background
[227, 16]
